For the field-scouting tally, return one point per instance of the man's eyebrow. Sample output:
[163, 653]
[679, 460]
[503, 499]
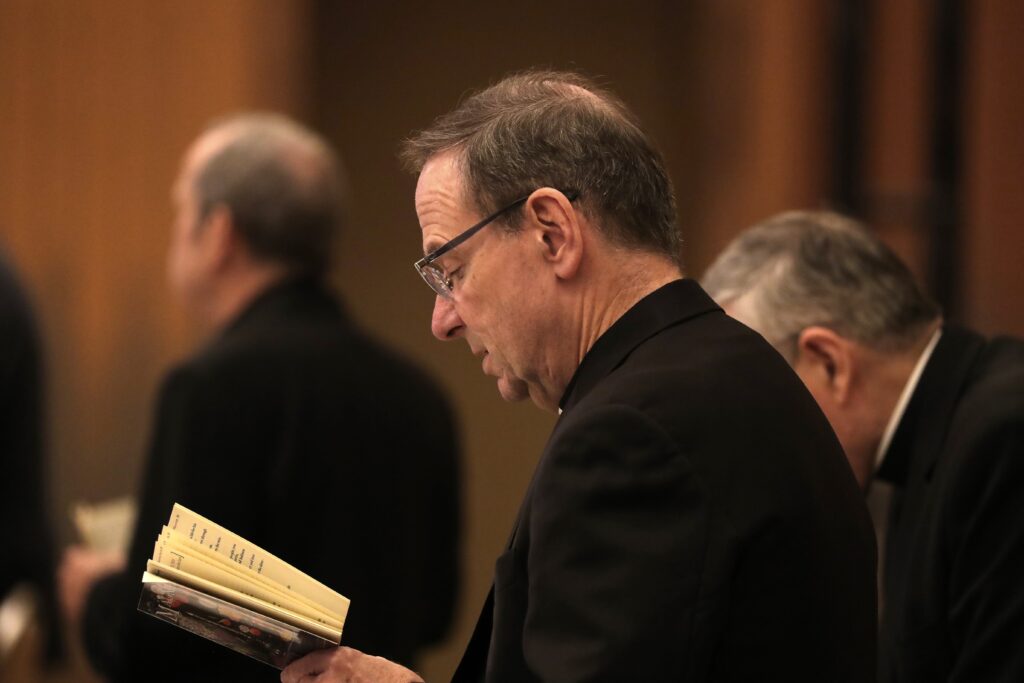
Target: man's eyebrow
[433, 243]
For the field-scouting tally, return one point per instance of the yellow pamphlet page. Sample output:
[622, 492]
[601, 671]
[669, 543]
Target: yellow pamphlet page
[214, 583]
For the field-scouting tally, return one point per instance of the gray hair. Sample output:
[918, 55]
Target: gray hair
[558, 129]
[281, 183]
[805, 268]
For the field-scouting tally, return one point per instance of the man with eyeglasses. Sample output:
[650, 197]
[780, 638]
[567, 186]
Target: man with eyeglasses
[692, 516]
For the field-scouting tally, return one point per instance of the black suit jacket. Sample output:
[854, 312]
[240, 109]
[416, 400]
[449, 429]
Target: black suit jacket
[692, 518]
[954, 570]
[299, 433]
[25, 532]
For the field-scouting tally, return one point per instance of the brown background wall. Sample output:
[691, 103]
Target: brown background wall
[98, 98]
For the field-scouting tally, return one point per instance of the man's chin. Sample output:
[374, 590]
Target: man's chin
[513, 389]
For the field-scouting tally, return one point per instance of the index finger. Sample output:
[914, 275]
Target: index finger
[311, 664]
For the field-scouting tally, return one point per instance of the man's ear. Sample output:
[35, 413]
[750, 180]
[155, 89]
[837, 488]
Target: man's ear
[219, 238]
[827, 359]
[558, 230]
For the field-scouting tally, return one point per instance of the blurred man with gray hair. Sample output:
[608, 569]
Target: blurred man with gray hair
[934, 409]
[289, 427]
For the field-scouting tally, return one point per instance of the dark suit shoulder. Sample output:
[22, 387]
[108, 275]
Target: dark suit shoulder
[318, 354]
[996, 390]
[696, 483]
[986, 434]
[727, 386]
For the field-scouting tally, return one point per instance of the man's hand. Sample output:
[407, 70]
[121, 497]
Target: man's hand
[345, 665]
[79, 570]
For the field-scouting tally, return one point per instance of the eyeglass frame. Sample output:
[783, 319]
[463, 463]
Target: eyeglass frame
[444, 283]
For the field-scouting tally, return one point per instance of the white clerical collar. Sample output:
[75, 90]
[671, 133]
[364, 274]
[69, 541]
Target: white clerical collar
[901, 405]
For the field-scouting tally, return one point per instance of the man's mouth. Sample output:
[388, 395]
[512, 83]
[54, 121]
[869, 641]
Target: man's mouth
[483, 354]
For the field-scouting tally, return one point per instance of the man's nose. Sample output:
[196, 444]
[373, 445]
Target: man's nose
[446, 323]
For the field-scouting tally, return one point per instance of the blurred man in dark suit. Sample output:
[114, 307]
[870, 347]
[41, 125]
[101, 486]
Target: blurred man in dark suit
[933, 408]
[692, 517]
[26, 539]
[288, 386]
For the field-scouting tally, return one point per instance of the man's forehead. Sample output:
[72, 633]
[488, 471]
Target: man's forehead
[441, 174]
[439, 195]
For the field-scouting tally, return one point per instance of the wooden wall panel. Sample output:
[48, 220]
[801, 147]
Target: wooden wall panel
[897, 124]
[993, 259]
[760, 98]
[98, 99]
[101, 98]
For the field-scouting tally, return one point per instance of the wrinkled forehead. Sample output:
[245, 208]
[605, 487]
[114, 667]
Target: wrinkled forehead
[441, 179]
[440, 205]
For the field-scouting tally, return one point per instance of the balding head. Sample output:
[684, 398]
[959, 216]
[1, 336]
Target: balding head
[281, 184]
[557, 129]
[805, 268]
